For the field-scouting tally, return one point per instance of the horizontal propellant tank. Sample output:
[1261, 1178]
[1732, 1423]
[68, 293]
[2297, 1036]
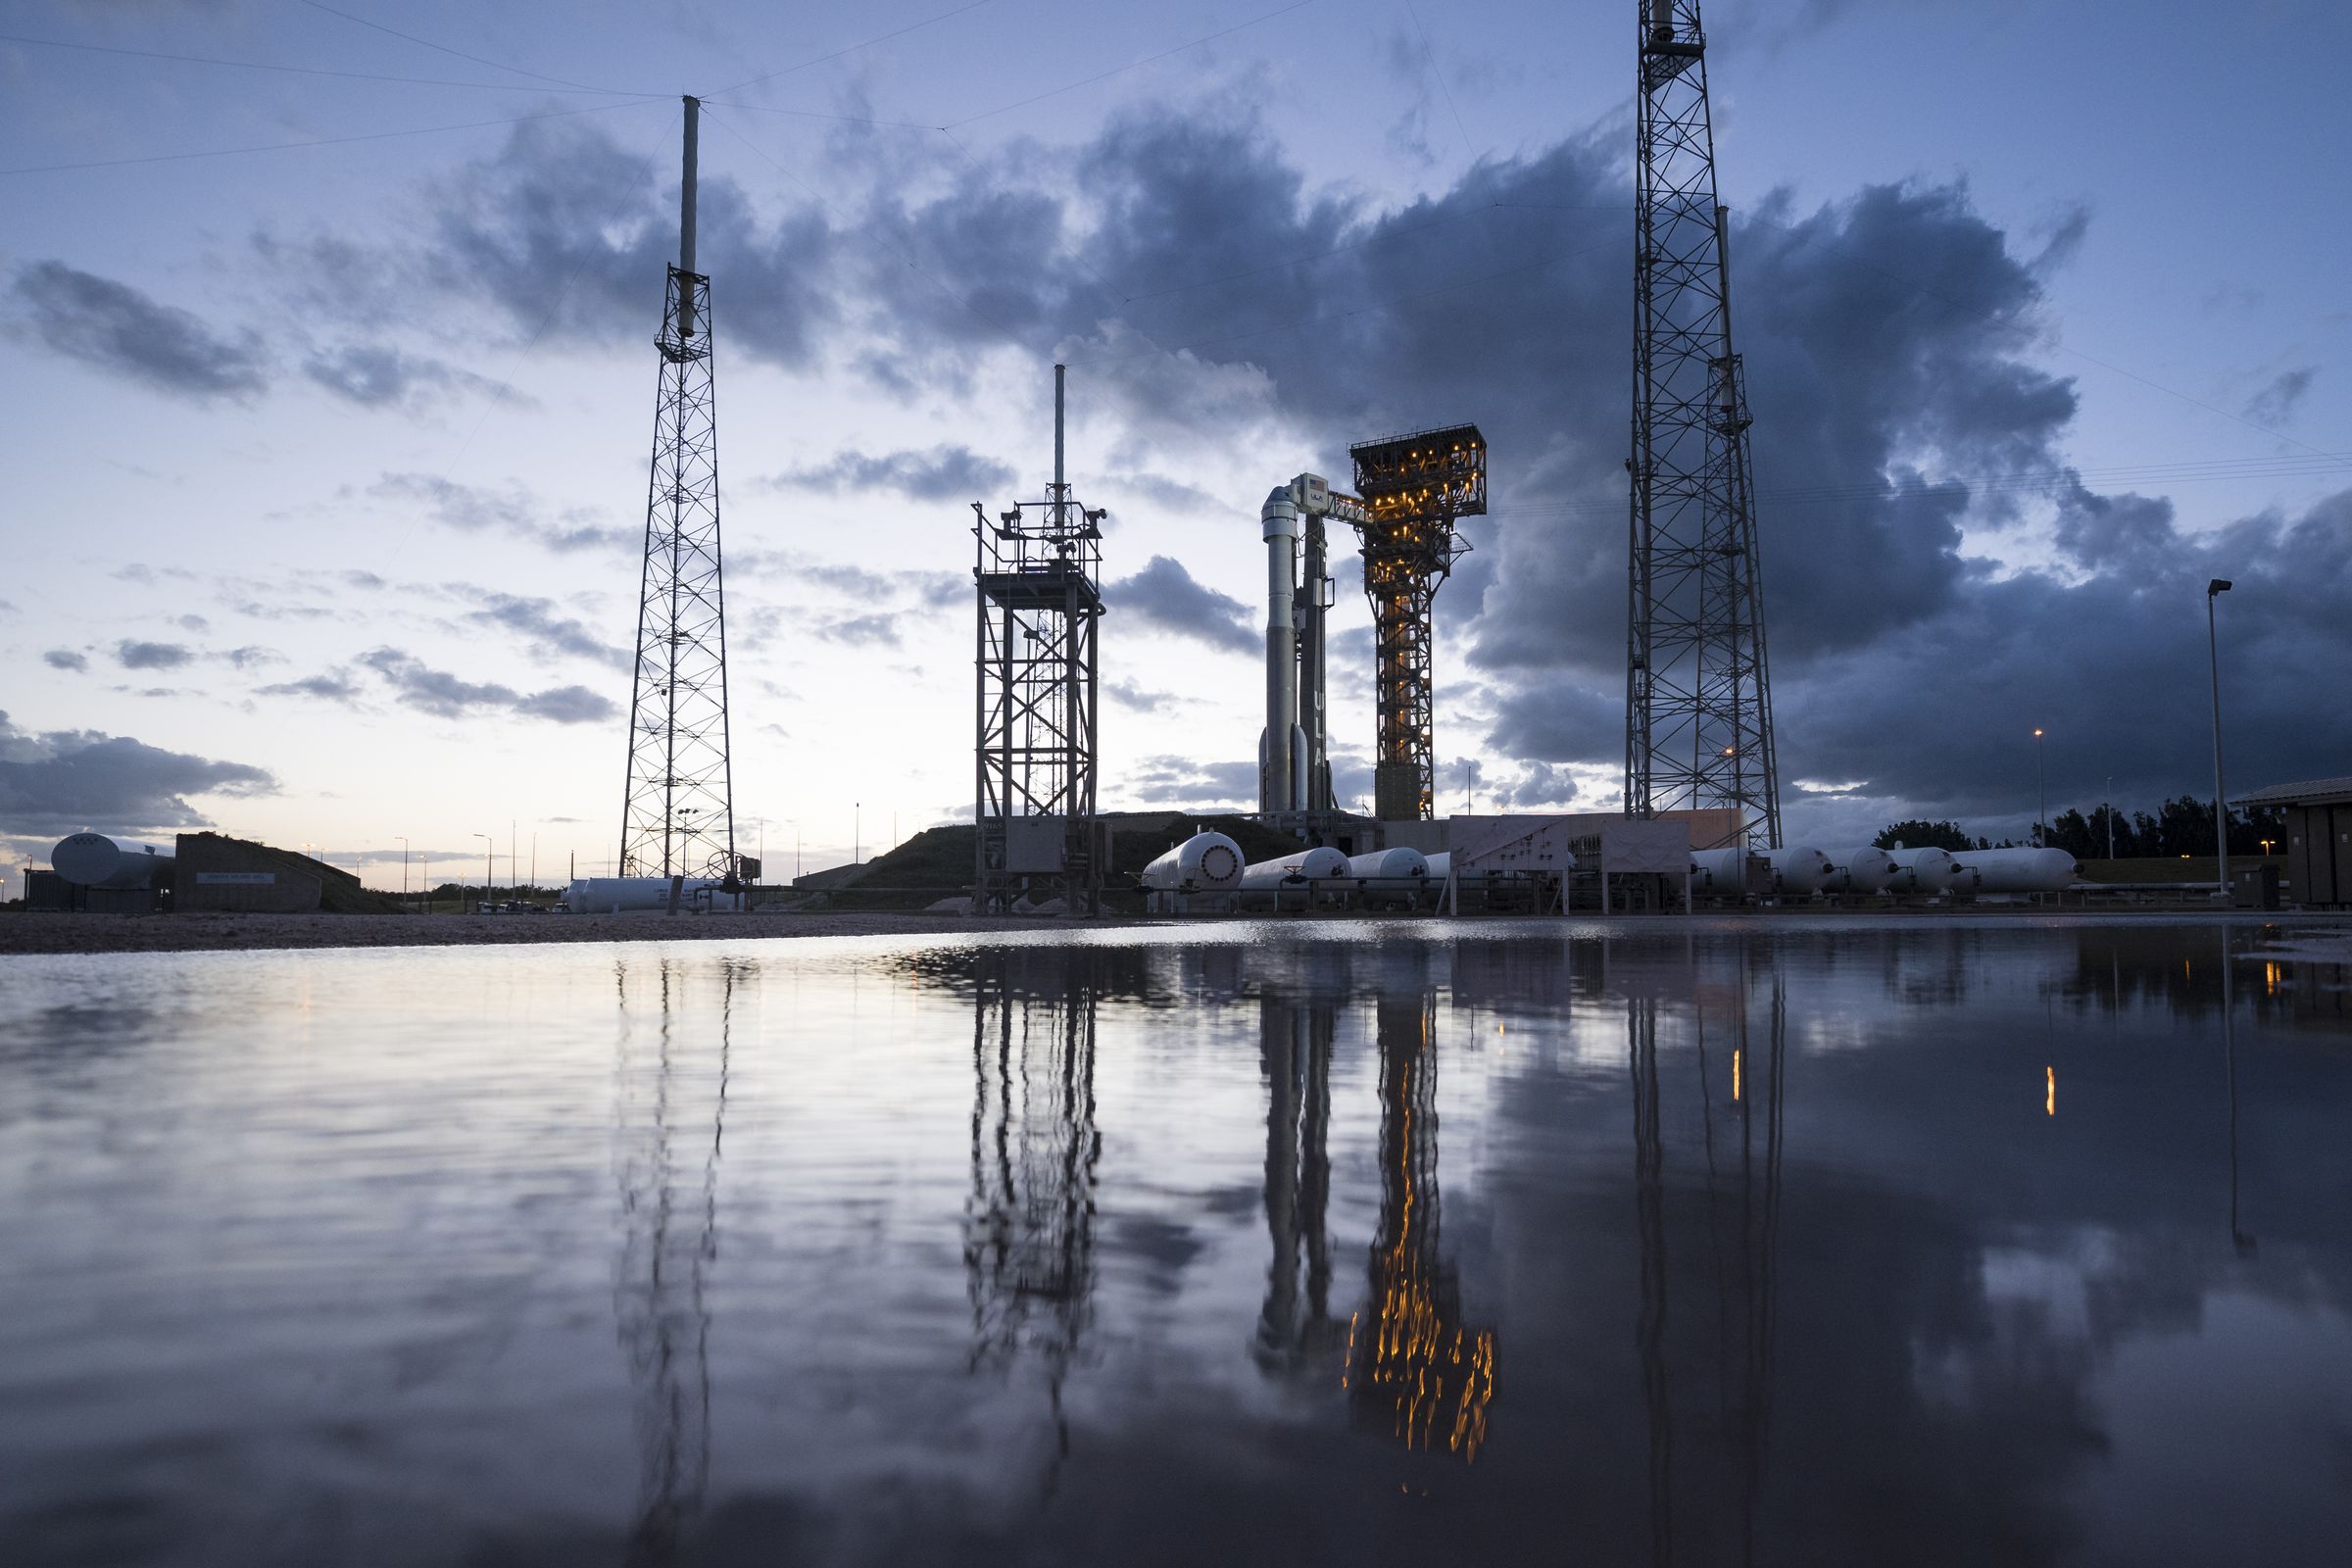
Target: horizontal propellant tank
[1294, 871]
[1389, 866]
[99, 860]
[2019, 870]
[619, 894]
[1922, 870]
[1867, 869]
[1722, 872]
[1206, 862]
[1800, 868]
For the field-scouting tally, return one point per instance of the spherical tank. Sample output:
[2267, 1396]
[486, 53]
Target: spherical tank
[1206, 862]
[97, 860]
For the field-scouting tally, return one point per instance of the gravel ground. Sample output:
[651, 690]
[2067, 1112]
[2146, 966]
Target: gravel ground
[49, 932]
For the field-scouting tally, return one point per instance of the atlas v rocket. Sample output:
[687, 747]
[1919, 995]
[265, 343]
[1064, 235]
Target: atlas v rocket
[1293, 763]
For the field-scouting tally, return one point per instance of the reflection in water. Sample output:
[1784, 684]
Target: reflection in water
[1414, 1366]
[1296, 1034]
[672, 1102]
[1742, 1243]
[1029, 1224]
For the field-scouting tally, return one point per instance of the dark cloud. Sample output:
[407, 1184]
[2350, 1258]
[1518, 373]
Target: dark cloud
[192, 622]
[337, 687]
[545, 630]
[66, 780]
[376, 375]
[567, 236]
[119, 329]
[514, 511]
[2277, 401]
[416, 684]
[860, 631]
[1139, 698]
[1163, 596]
[64, 659]
[943, 473]
[131, 654]
[1188, 781]
[252, 656]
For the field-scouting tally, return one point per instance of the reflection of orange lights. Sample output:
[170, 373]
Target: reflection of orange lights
[2051, 1105]
[1734, 1075]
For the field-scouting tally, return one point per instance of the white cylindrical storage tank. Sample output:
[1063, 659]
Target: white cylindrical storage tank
[1922, 870]
[1294, 871]
[100, 860]
[2020, 870]
[1389, 866]
[1798, 868]
[1719, 870]
[1206, 862]
[1867, 869]
[620, 895]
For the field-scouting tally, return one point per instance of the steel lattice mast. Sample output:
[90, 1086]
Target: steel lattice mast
[1697, 697]
[677, 816]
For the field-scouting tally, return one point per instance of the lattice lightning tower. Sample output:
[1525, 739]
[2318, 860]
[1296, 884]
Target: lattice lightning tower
[678, 816]
[1697, 697]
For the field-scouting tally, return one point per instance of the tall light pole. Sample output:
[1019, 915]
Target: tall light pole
[857, 832]
[2041, 794]
[2221, 800]
[488, 844]
[2111, 816]
[404, 871]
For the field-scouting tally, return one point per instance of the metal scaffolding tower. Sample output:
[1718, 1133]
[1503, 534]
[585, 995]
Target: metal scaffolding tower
[1697, 700]
[1038, 573]
[1413, 488]
[677, 814]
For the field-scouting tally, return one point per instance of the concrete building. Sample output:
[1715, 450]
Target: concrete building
[2319, 839]
[217, 872]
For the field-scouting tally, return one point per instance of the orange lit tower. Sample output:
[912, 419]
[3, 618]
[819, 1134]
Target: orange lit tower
[1413, 488]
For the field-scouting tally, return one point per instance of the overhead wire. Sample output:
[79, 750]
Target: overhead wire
[442, 48]
[308, 71]
[885, 37]
[322, 141]
[1132, 65]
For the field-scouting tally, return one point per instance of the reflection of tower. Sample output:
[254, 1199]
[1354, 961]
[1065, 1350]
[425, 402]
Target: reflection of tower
[669, 1094]
[1413, 1367]
[1029, 1225]
[677, 813]
[1295, 1054]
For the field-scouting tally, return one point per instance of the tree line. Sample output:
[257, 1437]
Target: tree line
[2181, 826]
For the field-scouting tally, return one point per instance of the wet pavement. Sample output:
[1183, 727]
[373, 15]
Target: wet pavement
[1803, 1242]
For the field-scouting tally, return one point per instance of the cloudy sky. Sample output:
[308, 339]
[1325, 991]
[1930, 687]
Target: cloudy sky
[329, 331]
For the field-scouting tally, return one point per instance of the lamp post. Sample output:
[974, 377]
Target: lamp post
[487, 843]
[2221, 800]
[857, 832]
[404, 871]
[2111, 816]
[2041, 794]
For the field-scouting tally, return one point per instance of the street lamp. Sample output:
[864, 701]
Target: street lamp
[2041, 793]
[488, 844]
[2111, 816]
[2221, 802]
[404, 871]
